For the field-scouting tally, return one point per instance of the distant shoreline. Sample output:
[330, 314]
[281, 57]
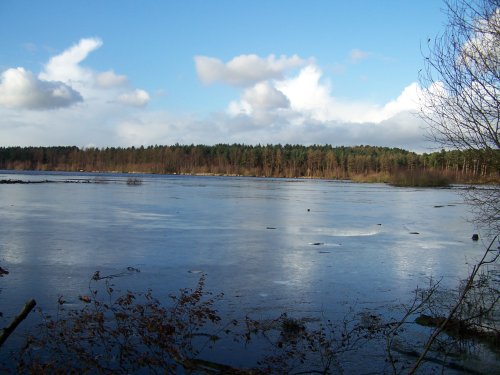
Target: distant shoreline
[419, 181]
[356, 163]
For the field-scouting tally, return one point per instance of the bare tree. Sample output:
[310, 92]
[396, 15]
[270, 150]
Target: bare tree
[462, 74]
[461, 104]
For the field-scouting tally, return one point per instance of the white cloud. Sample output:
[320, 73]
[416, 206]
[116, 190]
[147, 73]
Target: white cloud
[276, 105]
[264, 96]
[110, 79]
[407, 101]
[136, 98]
[312, 98]
[244, 70]
[103, 126]
[64, 81]
[307, 95]
[21, 89]
[356, 55]
[302, 109]
[482, 50]
[66, 66]
[261, 97]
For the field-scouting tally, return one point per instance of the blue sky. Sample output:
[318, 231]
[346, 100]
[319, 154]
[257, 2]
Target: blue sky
[121, 73]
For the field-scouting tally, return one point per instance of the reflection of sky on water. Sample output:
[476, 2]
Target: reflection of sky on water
[298, 245]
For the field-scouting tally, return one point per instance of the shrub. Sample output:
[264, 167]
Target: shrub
[135, 333]
[122, 334]
[419, 178]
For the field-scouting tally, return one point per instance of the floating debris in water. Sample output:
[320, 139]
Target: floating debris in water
[475, 237]
[71, 181]
[316, 243]
[414, 233]
[438, 206]
[97, 274]
[270, 228]
[195, 271]
[85, 299]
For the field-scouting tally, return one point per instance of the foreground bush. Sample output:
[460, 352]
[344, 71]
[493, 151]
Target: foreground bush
[136, 333]
[123, 334]
[132, 332]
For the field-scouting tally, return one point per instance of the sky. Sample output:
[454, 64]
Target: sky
[131, 73]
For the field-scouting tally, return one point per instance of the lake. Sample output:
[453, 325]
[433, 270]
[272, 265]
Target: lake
[304, 247]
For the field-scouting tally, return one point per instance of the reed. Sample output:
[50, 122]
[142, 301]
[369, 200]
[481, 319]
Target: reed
[419, 178]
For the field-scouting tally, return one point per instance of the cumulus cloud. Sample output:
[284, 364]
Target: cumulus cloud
[261, 97]
[110, 79]
[264, 96]
[310, 96]
[277, 104]
[136, 98]
[21, 89]
[303, 109]
[66, 67]
[244, 70]
[65, 81]
[307, 94]
[482, 50]
[407, 101]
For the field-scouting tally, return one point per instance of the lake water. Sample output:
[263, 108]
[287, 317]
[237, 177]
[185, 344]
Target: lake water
[305, 247]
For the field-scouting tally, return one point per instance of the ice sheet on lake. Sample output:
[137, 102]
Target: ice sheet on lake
[283, 282]
[344, 232]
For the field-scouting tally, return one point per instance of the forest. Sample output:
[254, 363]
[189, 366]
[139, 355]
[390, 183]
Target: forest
[359, 163]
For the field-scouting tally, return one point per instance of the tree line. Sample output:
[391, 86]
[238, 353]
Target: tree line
[291, 161]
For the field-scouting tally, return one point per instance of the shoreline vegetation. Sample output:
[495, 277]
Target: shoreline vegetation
[358, 163]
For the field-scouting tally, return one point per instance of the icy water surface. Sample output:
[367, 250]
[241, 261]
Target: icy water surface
[304, 247]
